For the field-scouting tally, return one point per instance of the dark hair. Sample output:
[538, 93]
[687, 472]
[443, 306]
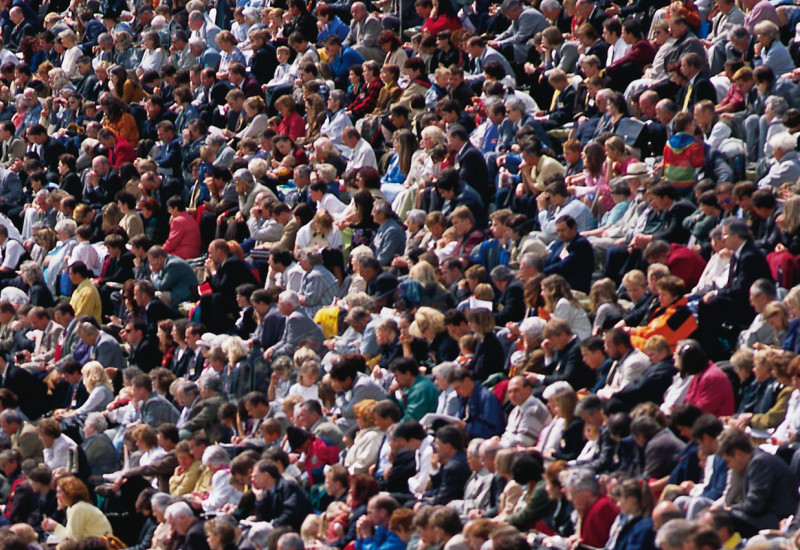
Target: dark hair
[349, 365]
[527, 468]
[451, 435]
[692, 358]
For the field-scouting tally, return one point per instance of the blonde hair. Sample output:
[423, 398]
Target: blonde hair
[602, 292]
[94, 375]
[235, 349]
[363, 411]
[777, 307]
[484, 291]
[304, 354]
[424, 273]
[427, 318]
[791, 214]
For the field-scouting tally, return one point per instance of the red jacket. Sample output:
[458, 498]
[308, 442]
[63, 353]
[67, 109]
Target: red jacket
[711, 392]
[686, 264]
[434, 25]
[641, 54]
[121, 154]
[184, 237]
[596, 525]
[293, 126]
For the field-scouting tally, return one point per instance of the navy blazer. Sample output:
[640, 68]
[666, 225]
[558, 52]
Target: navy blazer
[471, 166]
[450, 481]
[577, 267]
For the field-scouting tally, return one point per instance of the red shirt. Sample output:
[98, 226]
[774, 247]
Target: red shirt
[596, 524]
[434, 25]
[293, 126]
[184, 237]
[711, 392]
[686, 264]
[121, 154]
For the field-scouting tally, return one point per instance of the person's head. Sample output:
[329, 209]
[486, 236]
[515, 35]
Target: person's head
[566, 228]
[617, 343]
[736, 449]
[180, 517]
[448, 441]
[380, 509]
[582, 489]
[705, 431]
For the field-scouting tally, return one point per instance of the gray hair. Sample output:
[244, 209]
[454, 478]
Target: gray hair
[340, 97]
[88, 329]
[737, 226]
[105, 38]
[291, 541]
[32, 272]
[511, 5]
[515, 104]
[738, 33]
[289, 297]
[383, 207]
[259, 534]
[196, 41]
[581, 479]
[216, 455]
[767, 28]
[197, 15]
[556, 388]
[673, 534]
[178, 510]
[67, 226]
[416, 216]
[210, 382]
[97, 421]
[776, 104]
[443, 370]
[10, 416]
[215, 140]
[783, 142]
[532, 260]
[549, 5]
[532, 327]
[502, 273]
[160, 501]
[474, 447]
[243, 174]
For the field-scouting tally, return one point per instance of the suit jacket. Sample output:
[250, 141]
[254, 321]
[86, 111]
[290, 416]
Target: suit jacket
[700, 89]
[562, 110]
[286, 505]
[13, 149]
[765, 498]
[576, 267]
[203, 416]
[10, 186]
[28, 442]
[299, 328]
[30, 391]
[471, 166]
[232, 273]
[18, 33]
[251, 87]
[305, 24]
[529, 22]
[660, 454]
[89, 87]
[51, 151]
[119, 269]
[510, 305]
[448, 483]
[269, 332]
[364, 33]
[650, 386]
[107, 351]
[749, 266]
[671, 228]
[569, 366]
[264, 63]
[146, 355]
[195, 538]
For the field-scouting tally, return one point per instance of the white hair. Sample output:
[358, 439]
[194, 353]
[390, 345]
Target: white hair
[97, 421]
[216, 455]
[532, 327]
[784, 142]
[289, 297]
[178, 510]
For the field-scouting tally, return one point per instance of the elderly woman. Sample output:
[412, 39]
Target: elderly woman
[69, 63]
[448, 402]
[83, 518]
[99, 449]
[162, 536]
[187, 472]
[318, 288]
[217, 462]
[31, 275]
[55, 261]
[368, 440]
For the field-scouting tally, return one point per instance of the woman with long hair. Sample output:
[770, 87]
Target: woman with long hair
[592, 183]
[562, 304]
[619, 158]
[485, 359]
[392, 182]
[166, 343]
[255, 118]
[316, 113]
[123, 87]
[186, 111]
[363, 225]
[390, 43]
[118, 119]
[635, 501]
[604, 305]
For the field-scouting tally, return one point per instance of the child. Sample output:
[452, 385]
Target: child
[572, 157]
[84, 251]
[207, 156]
[240, 28]
[683, 154]
[447, 244]
[306, 386]
[467, 345]
[271, 432]
[247, 149]
[438, 89]
[279, 381]
[283, 74]
[591, 449]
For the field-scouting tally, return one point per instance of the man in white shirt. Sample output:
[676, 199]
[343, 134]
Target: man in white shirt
[629, 363]
[363, 154]
[612, 32]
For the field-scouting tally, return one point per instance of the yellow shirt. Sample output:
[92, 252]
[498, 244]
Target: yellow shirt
[185, 483]
[84, 520]
[203, 485]
[86, 301]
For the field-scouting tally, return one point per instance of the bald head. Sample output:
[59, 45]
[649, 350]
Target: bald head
[665, 511]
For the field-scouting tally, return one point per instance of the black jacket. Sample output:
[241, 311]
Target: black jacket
[488, 358]
[448, 484]
[264, 64]
[404, 466]
[765, 497]
[471, 166]
[30, 391]
[750, 265]
[702, 88]
[650, 386]
[286, 505]
[510, 304]
[671, 228]
[569, 366]
[195, 538]
[146, 355]
[576, 267]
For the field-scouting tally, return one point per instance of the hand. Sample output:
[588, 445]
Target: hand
[548, 347]
[612, 10]
[49, 524]
[709, 296]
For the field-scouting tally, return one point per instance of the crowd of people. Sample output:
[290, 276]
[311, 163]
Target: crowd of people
[413, 275]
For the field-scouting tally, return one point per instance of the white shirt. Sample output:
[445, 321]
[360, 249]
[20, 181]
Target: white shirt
[332, 206]
[69, 63]
[363, 155]
[86, 253]
[617, 51]
[420, 481]
[304, 236]
[333, 126]
[57, 456]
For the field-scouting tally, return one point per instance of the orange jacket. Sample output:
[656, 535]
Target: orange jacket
[675, 323]
[125, 127]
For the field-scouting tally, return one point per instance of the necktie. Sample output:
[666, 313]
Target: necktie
[554, 100]
[731, 271]
[688, 97]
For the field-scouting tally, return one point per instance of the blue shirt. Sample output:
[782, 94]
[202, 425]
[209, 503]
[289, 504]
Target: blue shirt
[340, 65]
[337, 27]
